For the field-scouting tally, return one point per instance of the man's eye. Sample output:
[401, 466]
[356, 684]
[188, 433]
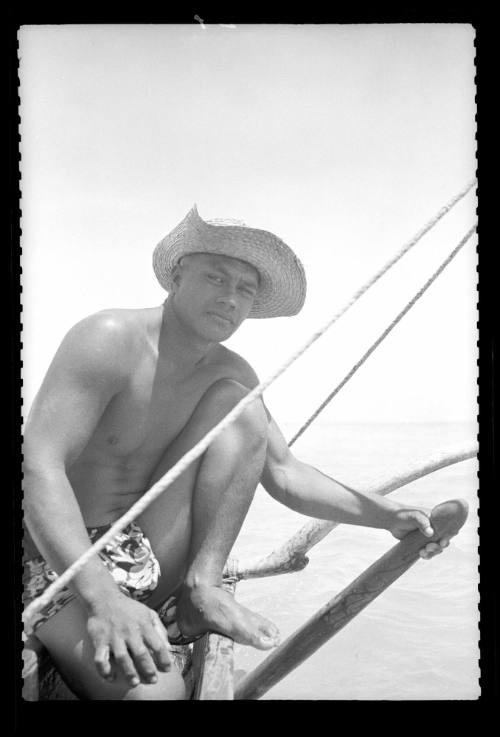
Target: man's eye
[216, 279]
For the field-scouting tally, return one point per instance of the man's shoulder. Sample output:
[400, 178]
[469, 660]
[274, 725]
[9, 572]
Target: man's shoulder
[236, 367]
[113, 324]
[113, 335]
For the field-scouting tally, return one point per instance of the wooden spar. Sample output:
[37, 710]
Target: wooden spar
[291, 556]
[31, 653]
[213, 663]
[213, 668]
[446, 518]
[47, 680]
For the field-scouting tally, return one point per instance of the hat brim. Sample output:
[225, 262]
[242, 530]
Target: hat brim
[282, 286]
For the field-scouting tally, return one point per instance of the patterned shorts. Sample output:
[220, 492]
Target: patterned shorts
[129, 558]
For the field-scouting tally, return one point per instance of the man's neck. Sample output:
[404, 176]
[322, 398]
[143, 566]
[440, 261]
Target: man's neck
[181, 347]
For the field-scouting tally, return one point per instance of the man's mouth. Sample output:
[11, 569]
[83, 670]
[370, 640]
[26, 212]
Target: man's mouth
[222, 317]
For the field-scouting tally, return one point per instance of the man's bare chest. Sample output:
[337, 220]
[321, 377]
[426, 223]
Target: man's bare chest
[143, 419]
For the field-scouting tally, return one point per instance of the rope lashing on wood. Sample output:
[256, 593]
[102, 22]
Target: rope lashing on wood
[195, 452]
[386, 332]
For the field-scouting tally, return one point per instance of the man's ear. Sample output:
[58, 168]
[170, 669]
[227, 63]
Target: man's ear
[176, 273]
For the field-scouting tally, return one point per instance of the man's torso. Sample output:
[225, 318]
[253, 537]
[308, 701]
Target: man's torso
[141, 421]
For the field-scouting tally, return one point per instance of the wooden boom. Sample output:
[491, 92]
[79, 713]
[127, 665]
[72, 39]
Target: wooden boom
[292, 557]
[446, 519]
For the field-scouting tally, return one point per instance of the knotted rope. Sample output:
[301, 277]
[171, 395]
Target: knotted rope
[204, 443]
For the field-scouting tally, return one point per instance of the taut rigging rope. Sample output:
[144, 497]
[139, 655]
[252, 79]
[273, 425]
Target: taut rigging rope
[379, 340]
[204, 443]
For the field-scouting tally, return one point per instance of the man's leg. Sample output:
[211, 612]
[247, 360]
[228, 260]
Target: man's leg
[65, 637]
[192, 527]
[199, 516]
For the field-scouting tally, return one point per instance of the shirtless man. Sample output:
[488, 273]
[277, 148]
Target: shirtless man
[128, 393]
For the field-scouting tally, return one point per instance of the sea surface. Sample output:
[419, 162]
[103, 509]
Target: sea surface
[419, 638]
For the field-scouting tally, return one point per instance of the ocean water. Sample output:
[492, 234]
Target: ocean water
[419, 638]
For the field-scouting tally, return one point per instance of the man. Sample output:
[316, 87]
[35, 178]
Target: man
[128, 393]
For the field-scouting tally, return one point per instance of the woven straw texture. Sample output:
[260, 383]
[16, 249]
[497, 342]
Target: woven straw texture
[282, 289]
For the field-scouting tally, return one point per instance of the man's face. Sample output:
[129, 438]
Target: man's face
[214, 294]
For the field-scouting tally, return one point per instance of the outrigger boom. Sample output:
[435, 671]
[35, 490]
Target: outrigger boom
[446, 519]
[208, 668]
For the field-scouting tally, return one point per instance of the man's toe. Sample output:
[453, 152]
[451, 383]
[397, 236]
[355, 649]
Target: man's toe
[265, 643]
[269, 630]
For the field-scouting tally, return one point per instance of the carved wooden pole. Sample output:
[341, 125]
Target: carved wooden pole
[447, 518]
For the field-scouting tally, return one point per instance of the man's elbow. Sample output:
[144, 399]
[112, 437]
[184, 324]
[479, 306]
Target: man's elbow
[38, 466]
[290, 486]
[40, 479]
[277, 483]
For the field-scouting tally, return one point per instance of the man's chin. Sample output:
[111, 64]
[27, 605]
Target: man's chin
[224, 335]
[221, 327]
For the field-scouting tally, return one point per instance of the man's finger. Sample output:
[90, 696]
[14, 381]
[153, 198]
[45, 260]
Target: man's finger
[125, 664]
[423, 523]
[158, 642]
[102, 662]
[430, 550]
[143, 661]
[160, 652]
[159, 628]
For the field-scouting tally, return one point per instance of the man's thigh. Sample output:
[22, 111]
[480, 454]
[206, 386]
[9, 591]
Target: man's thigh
[65, 637]
[167, 525]
[167, 521]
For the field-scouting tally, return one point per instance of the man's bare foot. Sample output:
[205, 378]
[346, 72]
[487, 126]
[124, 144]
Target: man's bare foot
[211, 609]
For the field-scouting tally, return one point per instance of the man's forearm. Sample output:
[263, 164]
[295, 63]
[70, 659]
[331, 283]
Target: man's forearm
[55, 522]
[306, 490]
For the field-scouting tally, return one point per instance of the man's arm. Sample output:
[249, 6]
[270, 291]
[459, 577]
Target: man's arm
[306, 490]
[82, 378]
[90, 367]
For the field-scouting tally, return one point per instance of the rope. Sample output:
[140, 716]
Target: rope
[386, 332]
[204, 443]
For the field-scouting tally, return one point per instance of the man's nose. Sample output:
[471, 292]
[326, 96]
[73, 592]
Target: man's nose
[228, 297]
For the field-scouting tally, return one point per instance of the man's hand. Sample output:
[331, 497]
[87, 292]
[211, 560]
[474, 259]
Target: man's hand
[128, 638]
[405, 520]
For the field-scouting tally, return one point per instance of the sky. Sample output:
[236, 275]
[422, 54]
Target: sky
[341, 139]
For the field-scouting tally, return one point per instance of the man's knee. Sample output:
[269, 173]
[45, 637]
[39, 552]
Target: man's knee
[65, 637]
[169, 687]
[225, 394]
[91, 687]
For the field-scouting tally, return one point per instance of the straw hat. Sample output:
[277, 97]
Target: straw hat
[282, 288]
